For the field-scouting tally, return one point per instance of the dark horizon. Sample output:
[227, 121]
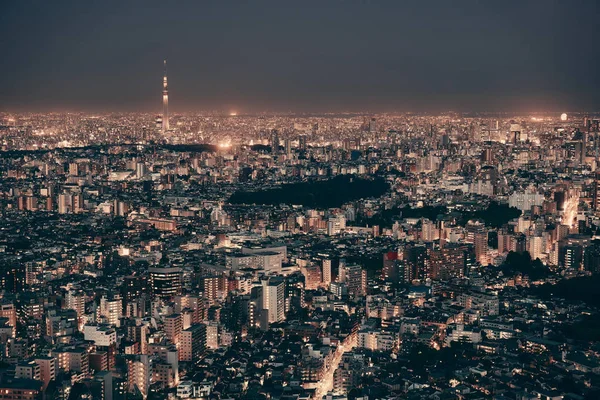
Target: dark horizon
[308, 57]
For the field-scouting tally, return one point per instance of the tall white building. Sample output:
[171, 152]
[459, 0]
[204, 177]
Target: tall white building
[273, 300]
[336, 225]
[65, 203]
[376, 340]
[524, 201]
[326, 272]
[111, 311]
[101, 335]
[535, 246]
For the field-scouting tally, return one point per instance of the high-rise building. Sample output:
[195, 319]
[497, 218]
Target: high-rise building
[372, 125]
[111, 309]
[212, 335]
[165, 281]
[274, 141]
[326, 275]
[213, 287]
[9, 311]
[192, 343]
[65, 203]
[273, 299]
[47, 369]
[417, 260]
[481, 247]
[596, 191]
[302, 142]
[355, 277]
[165, 93]
[138, 374]
[288, 146]
[335, 225]
[173, 327]
[312, 275]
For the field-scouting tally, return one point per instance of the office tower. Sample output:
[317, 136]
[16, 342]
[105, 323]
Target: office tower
[49, 204]
[165, 281]
[165, 93]
[131, 290]
[577, 151]
[520, 245]
[273, 301]
[73, 169]
[120, 208]
[33, 272]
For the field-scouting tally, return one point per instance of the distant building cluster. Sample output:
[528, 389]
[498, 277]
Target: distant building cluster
[133, 265]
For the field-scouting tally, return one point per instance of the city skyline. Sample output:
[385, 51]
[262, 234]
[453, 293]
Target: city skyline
[336, 56]
[316, 200]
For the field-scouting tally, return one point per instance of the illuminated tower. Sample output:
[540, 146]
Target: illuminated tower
[165, 119]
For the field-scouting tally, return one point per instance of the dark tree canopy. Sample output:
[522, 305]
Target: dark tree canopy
[320, 194]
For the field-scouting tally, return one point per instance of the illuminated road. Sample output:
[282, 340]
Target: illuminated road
[570, 210]
[326, 384]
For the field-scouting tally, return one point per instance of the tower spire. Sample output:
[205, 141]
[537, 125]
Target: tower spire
[165, 120]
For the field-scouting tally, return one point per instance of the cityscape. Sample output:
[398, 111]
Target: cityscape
[357, 250]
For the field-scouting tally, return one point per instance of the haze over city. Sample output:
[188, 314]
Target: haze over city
[308, 56]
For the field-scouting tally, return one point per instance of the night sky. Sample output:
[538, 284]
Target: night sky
[304, 56]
